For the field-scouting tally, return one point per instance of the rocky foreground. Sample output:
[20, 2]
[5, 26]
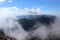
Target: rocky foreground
[4, 37]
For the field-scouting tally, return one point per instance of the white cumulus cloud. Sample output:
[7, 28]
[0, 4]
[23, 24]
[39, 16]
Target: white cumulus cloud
[10, 0]
[15, 11]
[10, 11]
[2, 1]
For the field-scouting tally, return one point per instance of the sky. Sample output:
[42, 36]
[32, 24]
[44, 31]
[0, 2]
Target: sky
[21, 7]
[9, 9]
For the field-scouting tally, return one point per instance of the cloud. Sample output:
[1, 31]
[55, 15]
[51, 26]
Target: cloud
[10, 0]
[15, 11]
[2, 1]
[8, 23]
[5, 13]
[33, 11]
[10, 11]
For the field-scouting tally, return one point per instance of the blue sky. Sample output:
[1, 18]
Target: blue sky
[45, 5]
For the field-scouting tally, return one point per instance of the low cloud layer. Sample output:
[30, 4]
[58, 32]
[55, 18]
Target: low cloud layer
[13, 29]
